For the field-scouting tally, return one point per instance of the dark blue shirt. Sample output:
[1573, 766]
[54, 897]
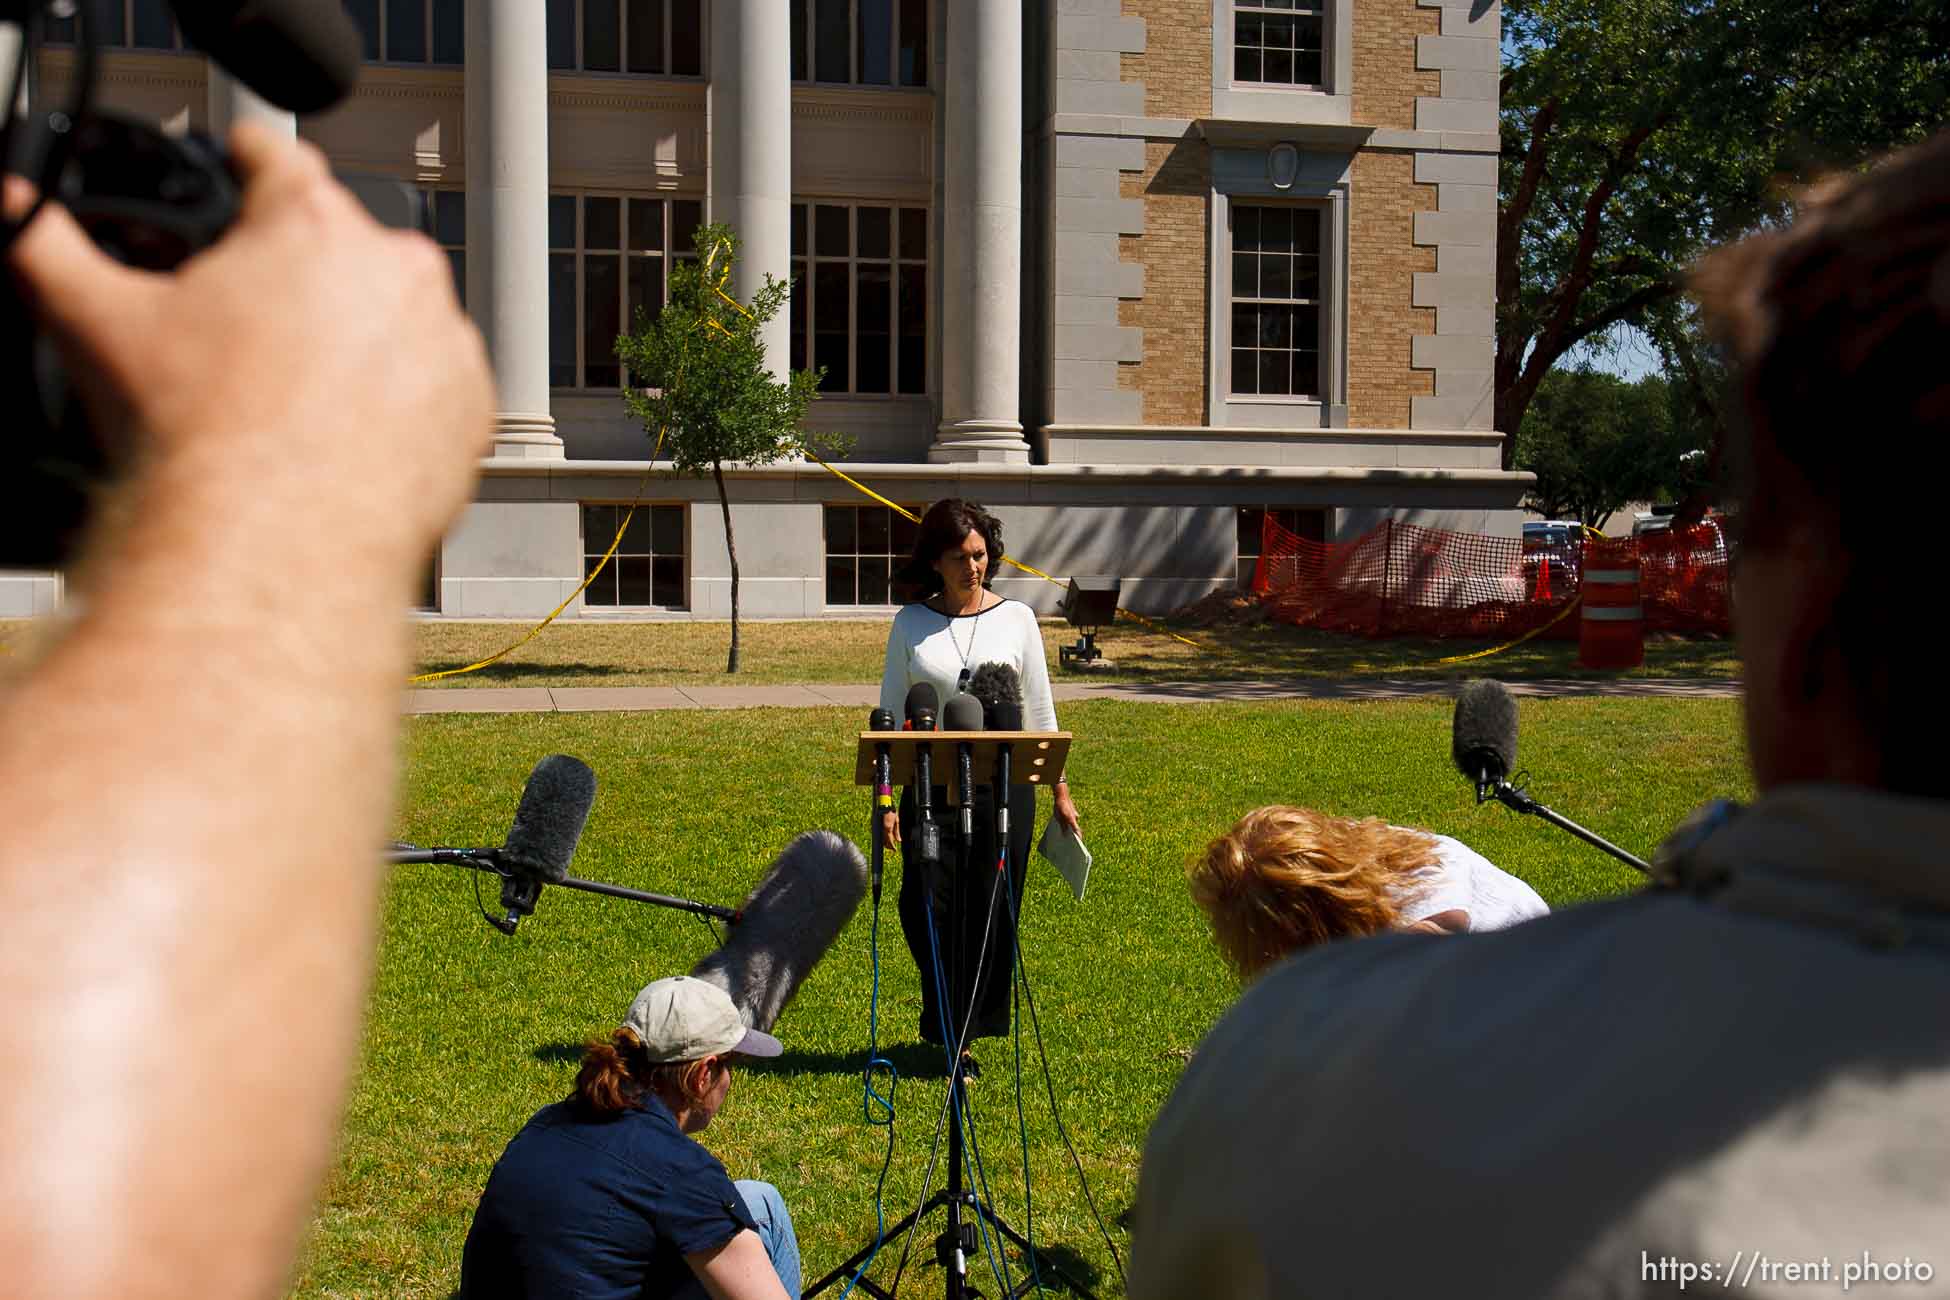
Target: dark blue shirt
[598, 1209]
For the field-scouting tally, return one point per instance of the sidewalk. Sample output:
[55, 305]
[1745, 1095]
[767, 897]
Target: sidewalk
[629, 699]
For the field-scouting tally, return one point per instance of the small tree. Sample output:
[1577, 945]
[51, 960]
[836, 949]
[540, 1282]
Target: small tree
[698, 378]
[1595, 442]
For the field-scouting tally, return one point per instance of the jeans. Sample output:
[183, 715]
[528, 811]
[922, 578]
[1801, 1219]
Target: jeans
[774, 1229]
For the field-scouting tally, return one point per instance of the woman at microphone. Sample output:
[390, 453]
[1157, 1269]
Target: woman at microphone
[957, 625]
[1284, 878]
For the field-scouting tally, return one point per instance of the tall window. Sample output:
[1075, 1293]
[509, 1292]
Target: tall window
[132, 24]
[653, 37]
[1276, 300]
[648, 567]
[1310, 525]
[608, 258]
[1277, 42]
[443, 219]
[864, 546]
[860, 296]
[860, 42]
[411, 31]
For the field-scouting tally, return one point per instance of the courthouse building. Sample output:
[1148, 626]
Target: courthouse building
[1129, 272]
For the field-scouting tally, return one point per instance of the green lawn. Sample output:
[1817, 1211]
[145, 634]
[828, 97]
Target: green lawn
[469, 1032]
[693, 654]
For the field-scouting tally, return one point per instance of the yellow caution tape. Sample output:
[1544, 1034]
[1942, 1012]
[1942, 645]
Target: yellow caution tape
[1536, 631]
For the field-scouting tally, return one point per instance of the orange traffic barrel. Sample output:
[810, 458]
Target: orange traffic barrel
[1612, 631]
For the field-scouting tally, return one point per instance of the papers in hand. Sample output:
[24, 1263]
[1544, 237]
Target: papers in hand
[1065, 851]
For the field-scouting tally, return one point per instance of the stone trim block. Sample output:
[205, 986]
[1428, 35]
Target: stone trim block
[1463, 383]
[1076, 32]
[1113, 279]
[1455, 228]
[1104, 98]
[1469, 53]
[1434, 289]
[1450, 412]
[1466, 320]
[1090, 8]
[1084, 183]
[1088, 65]
[1099, 343]
[1464, 169]
[1099, 151]
[1455, 114]
[1073, 373]
[1454, 351]
[1454, 196]
[1084, 309]
[1098, 405]
[1460, 84]
[1100, 216]
[1462, 20]
[1465, 259]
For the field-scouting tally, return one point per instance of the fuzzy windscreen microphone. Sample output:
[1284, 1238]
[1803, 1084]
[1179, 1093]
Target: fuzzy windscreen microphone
[787, 925]
[554, 807]
[997, 686]
[1483, 737]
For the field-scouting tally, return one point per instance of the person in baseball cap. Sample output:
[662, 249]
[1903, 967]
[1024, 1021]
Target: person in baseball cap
[607, 1195]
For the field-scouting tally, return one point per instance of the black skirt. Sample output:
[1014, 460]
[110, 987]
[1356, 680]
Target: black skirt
[946, 913]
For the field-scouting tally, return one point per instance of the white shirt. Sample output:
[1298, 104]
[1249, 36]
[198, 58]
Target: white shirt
[1464, 879]
[927, 646]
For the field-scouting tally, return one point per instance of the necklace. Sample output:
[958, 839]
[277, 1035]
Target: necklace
[974, 628]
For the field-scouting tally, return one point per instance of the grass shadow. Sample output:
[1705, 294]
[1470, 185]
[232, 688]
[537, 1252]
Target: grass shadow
[560, 1053]
[516, 674]
[912, 1060]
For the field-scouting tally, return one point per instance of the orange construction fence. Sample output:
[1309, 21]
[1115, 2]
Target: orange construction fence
[1402, 580]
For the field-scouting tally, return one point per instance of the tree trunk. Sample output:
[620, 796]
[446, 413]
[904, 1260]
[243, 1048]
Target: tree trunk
[731, 546]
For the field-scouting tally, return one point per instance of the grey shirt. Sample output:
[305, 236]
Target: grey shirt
[1738, 1072]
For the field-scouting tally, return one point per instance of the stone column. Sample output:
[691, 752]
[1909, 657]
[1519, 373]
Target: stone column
[507, 215]
[230, 102]
[751, 149]
[981, 308]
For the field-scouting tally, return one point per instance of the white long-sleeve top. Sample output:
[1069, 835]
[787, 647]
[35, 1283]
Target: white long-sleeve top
[926, 646]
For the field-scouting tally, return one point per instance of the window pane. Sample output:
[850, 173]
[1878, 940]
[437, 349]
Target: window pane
[914, 43]
[1251, 521]
[798, 230]
[875, 232]
[667, 581]
[598, 528]
[830, 231]
[839, 580]
[798, 20]
[636, 530]
[1275, 371]
[875, 42]
[646, 224]
[602, 591]
[1306, 328]
[365, 16]
[1245, 228]
[1245, 65]
[646, 289]
[561, 221]
[798, 316]
[905, 531]
[1306, 277]
[841, 530]
[562, 33]
[830, 325]
[830, 40]
[1276, 34]
[1306, 69]
[686, 215]
[1245, 275]
[667, 530]
[1245, 327]
[602, 222]
[1245, 371]
[914, 329]
[406, 31]
[686, 38]
[1278, 67]
[632, 579]
[562, 320]
[449, 31]
[450, 217]
[914, 233]
[152, 26]
[1276, 230]
[602, 321]
[646, 32]
[1245, 31]
[873, 530]
[1275, 327]
[602, 37]
[874, 314]
[1275, 275]
[873, 580]
[1306, 373]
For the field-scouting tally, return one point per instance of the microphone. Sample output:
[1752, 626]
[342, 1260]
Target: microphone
[999, 688]
[301, 55]
[922, 701]
[549, 820]
[787, 924]
[1483, 737]
[965, 714]
[883, 791]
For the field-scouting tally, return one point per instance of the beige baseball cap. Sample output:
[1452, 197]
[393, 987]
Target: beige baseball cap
[683, 1018]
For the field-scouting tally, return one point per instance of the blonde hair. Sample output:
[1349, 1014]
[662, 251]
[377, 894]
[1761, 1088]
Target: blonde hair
[1284, 878]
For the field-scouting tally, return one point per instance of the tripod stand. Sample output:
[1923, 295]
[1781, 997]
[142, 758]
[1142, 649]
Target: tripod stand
[883, 757]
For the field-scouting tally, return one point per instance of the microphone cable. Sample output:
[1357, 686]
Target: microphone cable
[869, 1095]
[1049, 1084]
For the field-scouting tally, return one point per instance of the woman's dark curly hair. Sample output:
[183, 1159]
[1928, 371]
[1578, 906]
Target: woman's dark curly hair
[944, 527]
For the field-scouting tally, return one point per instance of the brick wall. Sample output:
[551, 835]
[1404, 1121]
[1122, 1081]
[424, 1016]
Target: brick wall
[1173, 250]
[1176, 66]
[1385, 80]
[1382, 261]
